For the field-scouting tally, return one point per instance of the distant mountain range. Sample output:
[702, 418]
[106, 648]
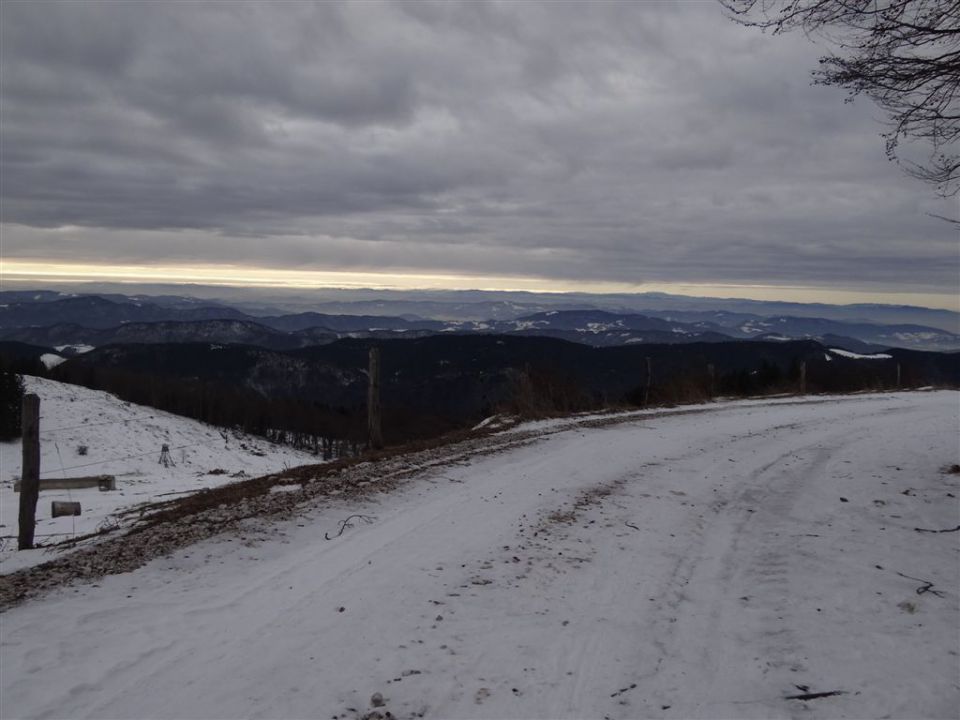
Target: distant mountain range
[95, 312]
[53, 319]
[306, 373]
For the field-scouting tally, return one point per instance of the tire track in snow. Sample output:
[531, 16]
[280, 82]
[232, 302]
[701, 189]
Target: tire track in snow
[566, 630]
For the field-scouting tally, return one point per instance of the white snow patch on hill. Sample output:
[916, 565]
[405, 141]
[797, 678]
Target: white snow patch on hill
[51, 360]
[496, 422]
[78, 349]
[86, 432]
[858, 356]
[918, 336]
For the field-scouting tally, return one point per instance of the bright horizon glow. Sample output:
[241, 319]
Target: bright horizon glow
[244, 276]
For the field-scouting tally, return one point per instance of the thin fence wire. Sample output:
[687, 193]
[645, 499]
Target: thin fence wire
[129, 457]
[63, 472]
[96, 424]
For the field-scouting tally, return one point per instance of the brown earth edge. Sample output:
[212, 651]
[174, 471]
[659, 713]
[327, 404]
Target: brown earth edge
[161, 528]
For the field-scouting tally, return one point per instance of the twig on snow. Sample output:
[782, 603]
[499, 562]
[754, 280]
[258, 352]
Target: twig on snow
[176, 492]
[621, 691]
[814, 695]
[347, 524]
[630, 525]
[927, 586]
[955, 529]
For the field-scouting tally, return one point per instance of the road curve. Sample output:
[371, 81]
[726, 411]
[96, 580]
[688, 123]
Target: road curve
[711, 564]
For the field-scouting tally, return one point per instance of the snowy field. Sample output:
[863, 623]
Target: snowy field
[86, 432]
[717, 564]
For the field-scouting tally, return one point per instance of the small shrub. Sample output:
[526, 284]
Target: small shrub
[538, 393]
[82, 450]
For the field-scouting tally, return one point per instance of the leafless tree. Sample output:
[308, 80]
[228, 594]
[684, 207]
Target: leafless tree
[903, 54]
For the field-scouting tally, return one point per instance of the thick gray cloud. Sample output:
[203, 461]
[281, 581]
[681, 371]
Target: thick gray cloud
[605, 141]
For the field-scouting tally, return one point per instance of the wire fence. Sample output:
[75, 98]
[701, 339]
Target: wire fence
[131, 457]
[79, 426]
[53, 436]
[139, 430]
[56, 538]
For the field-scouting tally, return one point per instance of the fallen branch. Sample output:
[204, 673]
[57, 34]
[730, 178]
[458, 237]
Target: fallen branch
[927, 586]
[74, 540]
[630, 525]
[813, 696]
[176, 492]
[347, 524]
[938, 531]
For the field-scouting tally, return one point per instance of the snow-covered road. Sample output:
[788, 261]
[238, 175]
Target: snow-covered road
[703, 564]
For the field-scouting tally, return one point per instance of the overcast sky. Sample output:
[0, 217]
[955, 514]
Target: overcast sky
[596, 142]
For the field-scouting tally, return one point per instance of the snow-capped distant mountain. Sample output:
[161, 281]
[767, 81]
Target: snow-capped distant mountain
[916, 337]
[600, 328]
[241, 332]
[46, 318]
[93, 311]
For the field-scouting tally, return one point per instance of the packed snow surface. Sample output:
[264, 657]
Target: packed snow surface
[716, 562]
[87, 432]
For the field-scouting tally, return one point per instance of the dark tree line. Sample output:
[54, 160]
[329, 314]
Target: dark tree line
[11, 395]
[327, 430]
[417, 407]
[304, 424]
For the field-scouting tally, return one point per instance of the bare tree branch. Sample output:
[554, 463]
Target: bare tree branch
[349, 524]
[902, 54]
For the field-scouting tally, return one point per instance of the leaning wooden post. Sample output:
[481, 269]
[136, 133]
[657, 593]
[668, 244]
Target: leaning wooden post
[374, 433]
[29, 470]
[803, 377]
[712, 374]
[898, 376]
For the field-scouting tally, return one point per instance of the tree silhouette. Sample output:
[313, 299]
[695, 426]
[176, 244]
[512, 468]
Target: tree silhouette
[11, 395]
[903, 54]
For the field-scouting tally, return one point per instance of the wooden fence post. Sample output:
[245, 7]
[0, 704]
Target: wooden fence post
[646, 390]
[374, 432]
[898, 376]
[712, 373]
[29, 470]
[803, 377]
